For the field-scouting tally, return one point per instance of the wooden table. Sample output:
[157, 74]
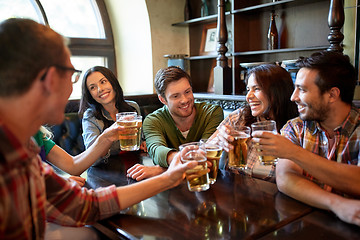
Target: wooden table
[235, 207]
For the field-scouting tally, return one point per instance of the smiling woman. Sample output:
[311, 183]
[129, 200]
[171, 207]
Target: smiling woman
[269, 89]
[102, 99]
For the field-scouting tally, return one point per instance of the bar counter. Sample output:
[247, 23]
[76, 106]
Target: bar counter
[235, 207]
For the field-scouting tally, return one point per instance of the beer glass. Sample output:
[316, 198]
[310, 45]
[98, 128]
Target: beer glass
[197, 178]
[269, 126]
[238, 155]
[129, 139]
[213, 154]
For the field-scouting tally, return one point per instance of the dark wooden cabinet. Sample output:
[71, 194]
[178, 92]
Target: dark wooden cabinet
[302, 26]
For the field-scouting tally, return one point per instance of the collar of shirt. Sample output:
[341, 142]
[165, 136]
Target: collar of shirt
[13, 150]
[345, 128]
[106, 114]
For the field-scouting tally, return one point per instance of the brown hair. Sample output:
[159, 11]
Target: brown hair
[26, 47]
[167, 75]
[87, 101]
[277, 85]
[334, 70]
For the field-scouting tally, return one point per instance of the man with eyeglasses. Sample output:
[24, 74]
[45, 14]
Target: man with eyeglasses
[35, 83]
[75, 76]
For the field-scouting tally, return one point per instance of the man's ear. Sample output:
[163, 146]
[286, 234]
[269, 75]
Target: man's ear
[162, 100]
[334, 94]
[48, 77]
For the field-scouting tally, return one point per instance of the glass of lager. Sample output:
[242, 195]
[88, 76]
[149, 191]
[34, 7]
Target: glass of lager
[269, 126]
[198, 177]
[130, 138]
[213, 153]
[238, 155]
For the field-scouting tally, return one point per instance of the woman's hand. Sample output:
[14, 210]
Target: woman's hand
[111, 133]
[225, 138]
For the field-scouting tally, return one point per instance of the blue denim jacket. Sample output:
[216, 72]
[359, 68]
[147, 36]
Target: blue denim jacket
[93, 127]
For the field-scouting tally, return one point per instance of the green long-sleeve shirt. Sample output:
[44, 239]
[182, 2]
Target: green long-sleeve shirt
[162, 135]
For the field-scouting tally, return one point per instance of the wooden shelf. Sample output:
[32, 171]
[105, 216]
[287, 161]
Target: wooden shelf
[205, 57]
[248, 23]
[272, 5]
[211, 18]
[279, 51]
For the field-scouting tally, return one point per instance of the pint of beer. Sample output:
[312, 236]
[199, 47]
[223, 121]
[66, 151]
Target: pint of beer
[130, 138]
[238, 155]
[213, 154]
[197, 178]
[269, 126]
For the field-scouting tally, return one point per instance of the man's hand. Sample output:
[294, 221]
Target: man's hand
[268, 143]
[176, 170]
[143, 146]
[140, 172]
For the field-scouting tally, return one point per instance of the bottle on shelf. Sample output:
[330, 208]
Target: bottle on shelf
[227, 6]
[204, 8]
[187, 10]
[273, 36]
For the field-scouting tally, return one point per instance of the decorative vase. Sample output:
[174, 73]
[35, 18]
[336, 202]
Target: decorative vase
[204, 8]
[187, 10]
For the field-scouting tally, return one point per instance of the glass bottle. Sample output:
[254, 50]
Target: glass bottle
[187, 10]
[272, 37]
[204, 8]
[227, 5]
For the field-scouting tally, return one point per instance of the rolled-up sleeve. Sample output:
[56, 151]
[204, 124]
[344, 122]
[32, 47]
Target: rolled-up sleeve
[70, 205]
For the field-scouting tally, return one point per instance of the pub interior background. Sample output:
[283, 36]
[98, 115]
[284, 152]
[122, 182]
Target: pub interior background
[139, 34]
[132, 38]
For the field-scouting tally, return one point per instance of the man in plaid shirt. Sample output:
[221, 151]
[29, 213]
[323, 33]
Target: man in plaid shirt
[35, 83]
[319, 155]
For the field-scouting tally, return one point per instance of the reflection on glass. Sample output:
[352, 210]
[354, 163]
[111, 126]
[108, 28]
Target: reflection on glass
[77, 19]
[19, 8]
[84, 63]
[205, 215]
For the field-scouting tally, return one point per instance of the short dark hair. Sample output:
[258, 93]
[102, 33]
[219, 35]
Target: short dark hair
[26, 48]
[334, 70]
[278, 87]
[167, 75]
[87, 101]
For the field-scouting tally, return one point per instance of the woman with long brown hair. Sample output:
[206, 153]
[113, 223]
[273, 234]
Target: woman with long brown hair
[102, 98]
[269, 88]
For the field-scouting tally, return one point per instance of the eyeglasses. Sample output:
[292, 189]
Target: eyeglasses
[76, 75]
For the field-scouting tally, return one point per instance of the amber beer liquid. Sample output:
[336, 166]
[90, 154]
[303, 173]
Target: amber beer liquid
[267, 160]
[197, 178]
[238, 155]
[130, 140]
[267, 126]
[213, 154]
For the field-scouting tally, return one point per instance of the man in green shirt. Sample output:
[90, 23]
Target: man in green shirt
[179, 121]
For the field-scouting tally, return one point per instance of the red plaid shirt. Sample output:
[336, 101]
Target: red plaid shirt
[310, 136]
[30, 193]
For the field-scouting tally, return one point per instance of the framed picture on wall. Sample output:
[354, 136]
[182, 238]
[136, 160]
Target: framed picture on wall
[208, 40]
